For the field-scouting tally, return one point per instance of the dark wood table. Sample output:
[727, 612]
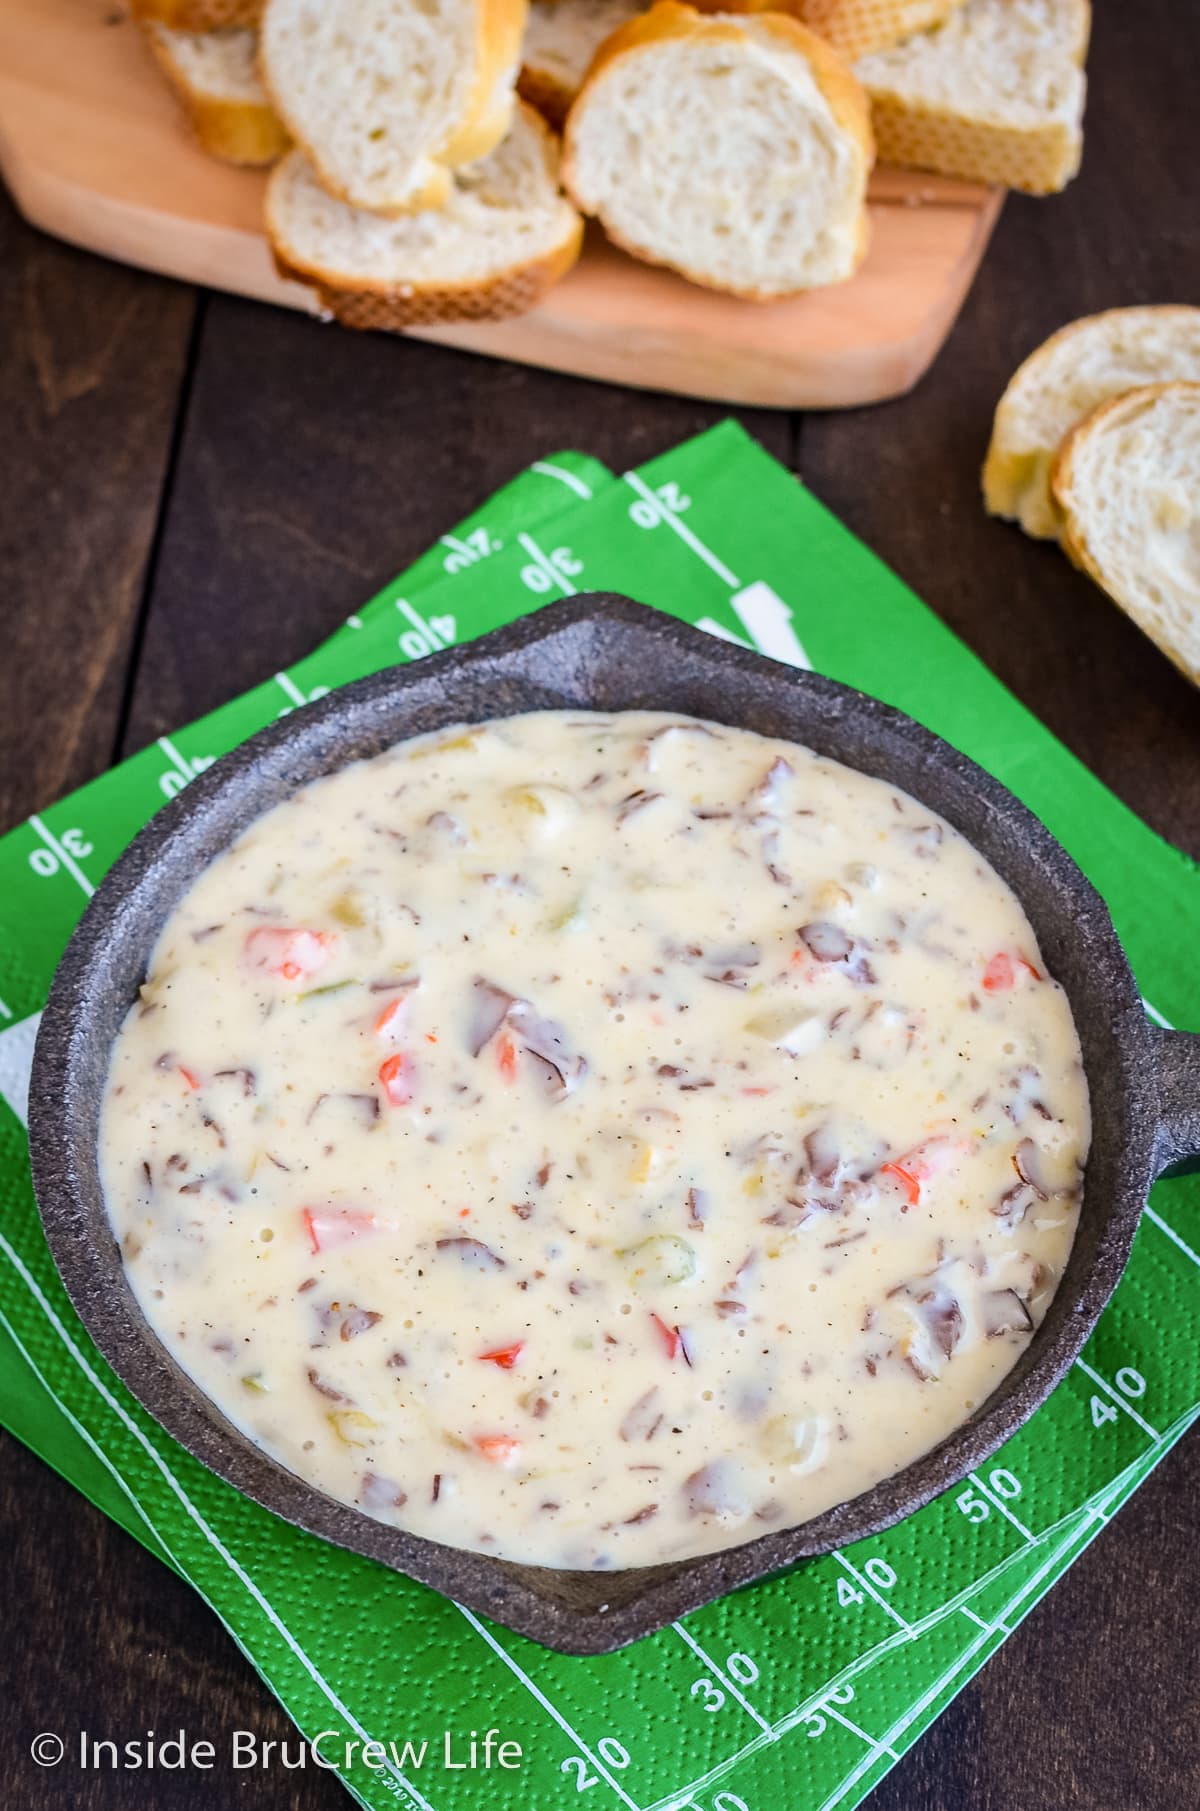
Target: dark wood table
[189, 484]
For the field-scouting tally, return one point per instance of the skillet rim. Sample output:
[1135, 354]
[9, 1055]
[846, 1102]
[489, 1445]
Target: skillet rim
[532, 1600]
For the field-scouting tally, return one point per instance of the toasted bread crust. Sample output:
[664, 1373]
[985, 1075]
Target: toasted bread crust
[1038, 160]
[1017, 484]
[199, 15]
[377, 308]
[392, 307]
[486, 117]
[239, 132]
[854, 28]
[671, 19]
[1074, 528]
[542, 89]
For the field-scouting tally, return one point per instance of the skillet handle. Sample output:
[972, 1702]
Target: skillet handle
[1178, 1148]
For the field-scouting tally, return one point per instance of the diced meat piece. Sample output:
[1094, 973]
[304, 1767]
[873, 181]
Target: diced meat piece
[473, 1254]
[359, 1320]
[716, 1490]
[643, 1420]
[1004, 1312]
[489, 1005]
[1014, 1204]
[376, 1492]
[826, 942]
[546, 1041]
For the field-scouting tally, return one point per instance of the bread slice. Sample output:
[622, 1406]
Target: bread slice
[1077, 369]
[995, 94]
[215, 75]
[561, 39]
[503, 238]
[200, 15]
[1127, 480]
[387, 96]
[857, 27]
[735, 150]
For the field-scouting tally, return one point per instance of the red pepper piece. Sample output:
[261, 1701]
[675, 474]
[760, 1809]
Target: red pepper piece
[390, 1022]
[498, 1449]
[671, 1337]
[396, 1080]
[911, 1183]
[328, 1227]
[504, 1356]
[1000, 972]
[294, 954]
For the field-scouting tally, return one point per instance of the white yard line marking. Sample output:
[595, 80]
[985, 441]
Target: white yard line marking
[865, 1584]
[1073, 1522]
[1152, 1012]
[682, 530]
[17, 1041]
[194, 1514]
[5, 1012]
[928, 1697]
[1174, 1237]
[1118, 1399]
[827, 1710]
[767, 620]
[719, 1673]
[851, 1780]
[290, 688]
[673, 1801]
[998, 1502]
[722, 634]
[543, 1700]
[910, 1716]
[549, 470]
[84, 1435]
[68, 861]
[547, 565]
[182, 767]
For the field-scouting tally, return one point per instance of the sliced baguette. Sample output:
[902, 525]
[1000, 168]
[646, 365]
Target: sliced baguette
[215, 75]
[759, 192]
[995, 94]
[200, 15]
[388, 96]
[503, 238]
[1072, 373]
[561, 39]
[1127, 481]
[855, 28]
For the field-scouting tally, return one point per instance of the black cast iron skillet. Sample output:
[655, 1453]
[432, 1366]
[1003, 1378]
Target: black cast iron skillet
[605, 653]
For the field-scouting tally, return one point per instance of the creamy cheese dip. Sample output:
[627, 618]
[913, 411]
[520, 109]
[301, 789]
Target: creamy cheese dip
[596, 1140]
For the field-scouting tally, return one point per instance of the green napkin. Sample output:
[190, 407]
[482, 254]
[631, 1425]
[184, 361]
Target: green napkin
[796, 1695]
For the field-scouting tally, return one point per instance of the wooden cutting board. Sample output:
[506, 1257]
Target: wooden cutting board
[95, 150]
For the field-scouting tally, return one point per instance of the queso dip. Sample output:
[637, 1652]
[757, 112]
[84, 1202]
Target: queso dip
[596, 1140]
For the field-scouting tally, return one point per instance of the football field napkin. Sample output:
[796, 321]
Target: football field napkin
[800, 1693]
